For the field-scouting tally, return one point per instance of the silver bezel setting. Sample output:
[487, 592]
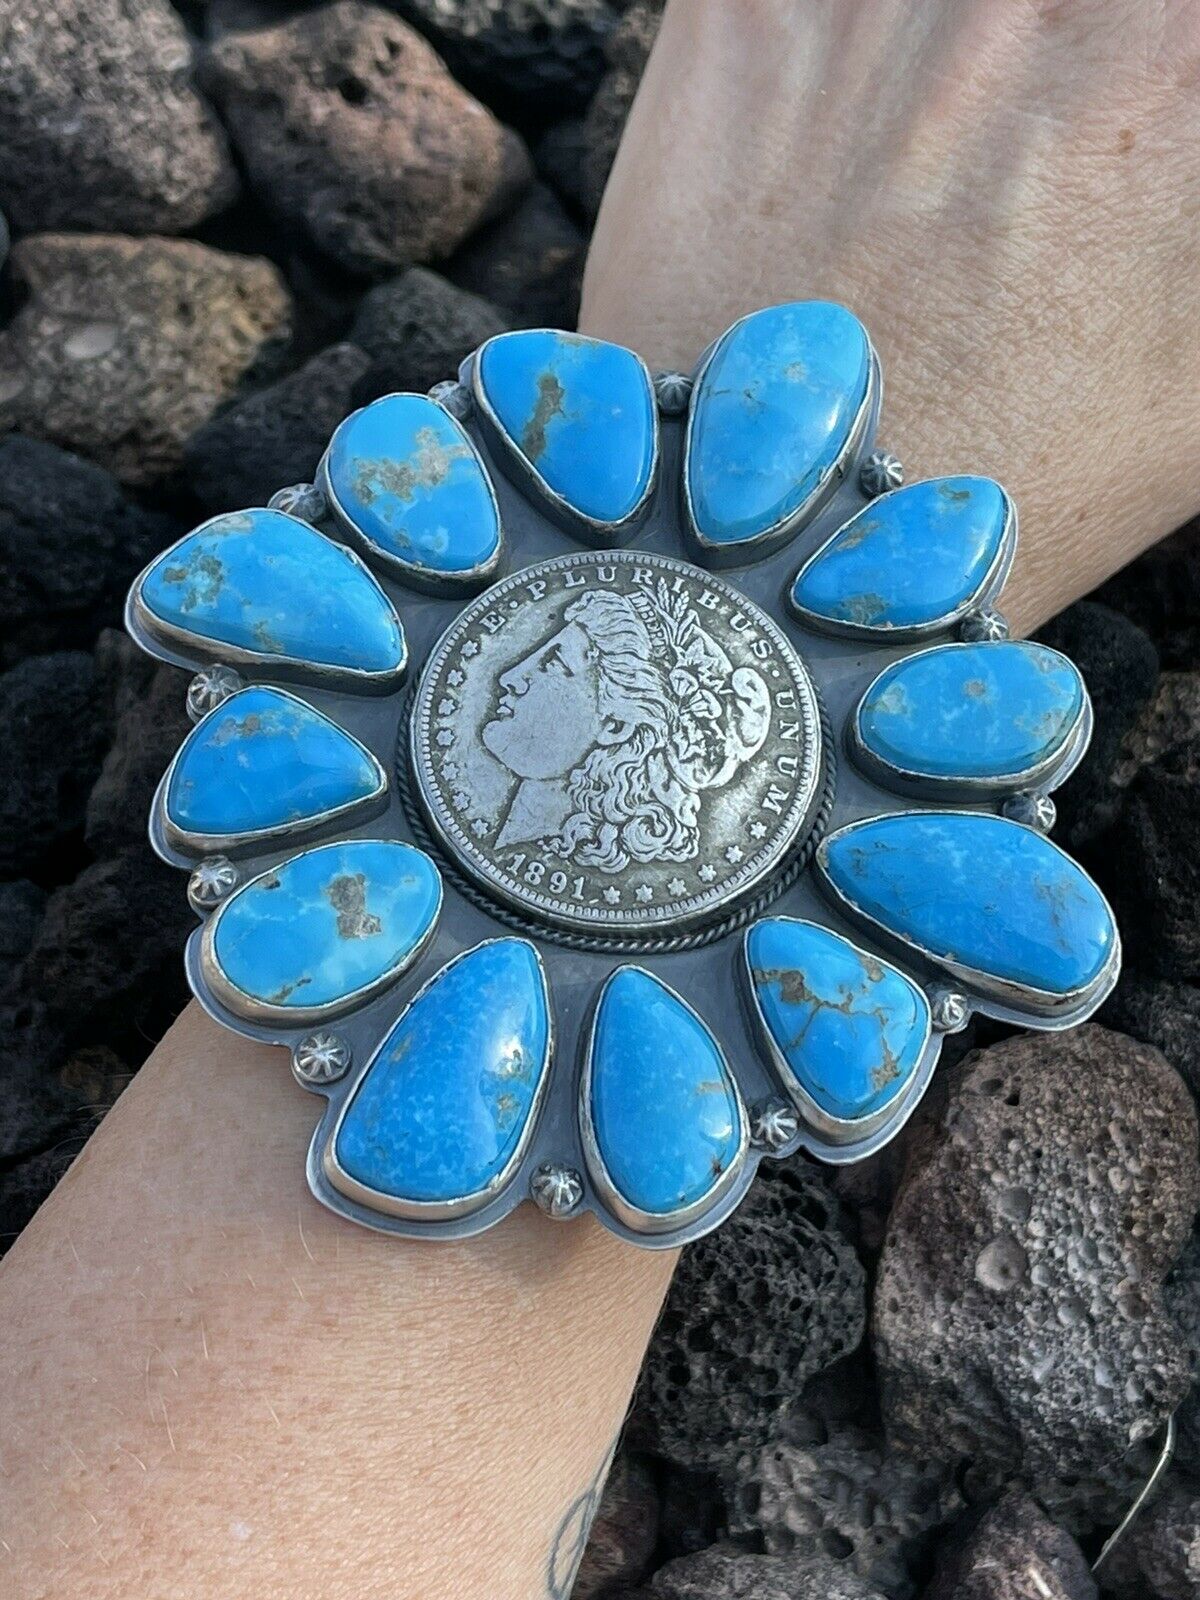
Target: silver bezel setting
[990, 586]
[592, 530]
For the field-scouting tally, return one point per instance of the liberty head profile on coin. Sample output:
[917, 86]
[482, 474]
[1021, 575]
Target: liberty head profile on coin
[616, 740]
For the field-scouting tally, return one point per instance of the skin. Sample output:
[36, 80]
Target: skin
[214, 1388]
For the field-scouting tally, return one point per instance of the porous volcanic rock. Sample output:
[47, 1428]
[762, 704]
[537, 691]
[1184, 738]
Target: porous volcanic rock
[1018, 1312]
[724, 1572]
[624, 1533]
[353, 132]
[275, 436]
[147, 707]
[416, 329]
[70, 545]
[755, 1309]
[100, 124]
[1161, 1013]
[1159, 1558]
[1012, 1552]
[628, 51]
[528, 262]
[125, 347]
[1183, 1303]
[1158, 591]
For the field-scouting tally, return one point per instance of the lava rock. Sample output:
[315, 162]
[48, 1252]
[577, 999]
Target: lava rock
[624, 1534]
[529, 263]
[1012, 1552]
[150, 722]
[1120, 667]
[874, 1507]
[727, 1573]
[126, 346]
[276, 436]
[1018, 1312]
[628, 51]
[100, 125]
[70, 545]
[416, 329]
[1153, 868]
[107, 959]
[21, 906]
[53, 738]
[691, 1511]
[353, 132]
[1158, 592]
[558, 156]
[1159, 1559]
[755, 1309]
[5, 239]
[523, 55]
[1183, 1304]
[1164, 1014]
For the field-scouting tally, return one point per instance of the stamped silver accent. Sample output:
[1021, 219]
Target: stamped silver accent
[304, 501]
[211, 882]
[949, 1011]
[984, 626]
[210, 688]
[773, 1124]
[673, 391]
[1034, 809]
[880, 472]
[616, 742]
[320, 1059]
[557, 1190]
[453, 397]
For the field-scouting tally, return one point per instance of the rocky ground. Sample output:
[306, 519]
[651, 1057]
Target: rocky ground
[944, 1373]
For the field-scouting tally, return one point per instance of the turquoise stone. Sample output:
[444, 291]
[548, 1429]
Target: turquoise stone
[265, 760]
[324, 928]
[910, 559]
[975, 891]
[985, 712]
[444, 1107]
[407, 478]
[665, 1112]
[849, 1028]
[273, 588]
[774, 408]
[581, 413]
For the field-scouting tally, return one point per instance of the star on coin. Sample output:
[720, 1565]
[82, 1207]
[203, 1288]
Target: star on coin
[734, 854]
[445, 708]
[461, 799]
[470, 648]
[611, 896]
[757, 829]
[707, 872]
[454, 679]
[676, 886]
[445, 738]
[479, 827]
[645, 893]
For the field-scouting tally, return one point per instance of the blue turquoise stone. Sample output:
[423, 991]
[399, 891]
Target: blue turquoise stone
[773, 411]
[850, 1029]
[325, 925]
[407, 478]
[665, 1111]
[973, 890]
[266, 583]
[443, 1107]
[975, 711]
[909, 559]
[264, 760]
[580, 411]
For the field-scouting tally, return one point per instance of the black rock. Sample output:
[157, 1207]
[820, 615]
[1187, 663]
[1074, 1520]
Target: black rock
[275, 436]
[774, 1296]
[851, 1496]
[1159, 1559]
[532, 58]
[1019, 1318]
[70, 545]
[691, 1511]
[1012, 1552]
[1120, 667]
[124, 347]
[1160, 591]
[53, 736]
[21, 906]
[727, 1573]
[559, 156]
[624, 1533]
[529, 263]
[100, 126]
[1161, 1013]
[628, 51]
[357, 137]
[416, 329]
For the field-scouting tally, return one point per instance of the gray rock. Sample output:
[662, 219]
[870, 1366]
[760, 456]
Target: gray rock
[541, 54]
[559, 156]
[1159, 1559]
[624, 1534]
[21, 906]
[53, 737]
[628, 51]
[529, 263]
[1012, 1552]
[1018, 1313]
[275, 436]
[150, 722]
[755, 1309]
[70, 545]
[1183, 1303]
[416, 329]
[851, 1495]
[125, 347]
[727, 1573]
[100, 125]
[353, 131]
[1161, 1013]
